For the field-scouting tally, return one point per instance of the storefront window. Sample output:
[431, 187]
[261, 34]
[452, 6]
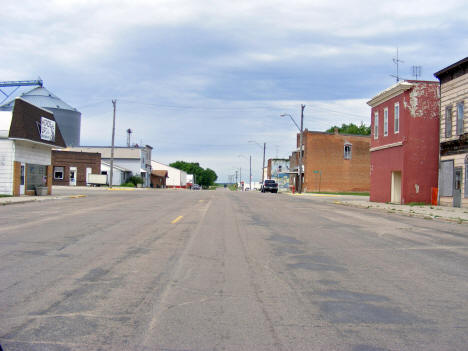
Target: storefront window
[36, 175]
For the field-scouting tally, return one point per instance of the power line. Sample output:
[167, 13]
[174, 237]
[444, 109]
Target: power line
[201, 108]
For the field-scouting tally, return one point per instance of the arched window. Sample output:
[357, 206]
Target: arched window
[347, 151]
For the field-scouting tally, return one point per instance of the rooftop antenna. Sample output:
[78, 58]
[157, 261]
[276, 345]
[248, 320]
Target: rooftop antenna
[129, 132]
[416, 71]
[397, 62]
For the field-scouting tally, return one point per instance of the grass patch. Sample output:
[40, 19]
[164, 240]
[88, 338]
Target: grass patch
[3, 195]
[416, 204]
[337, 193]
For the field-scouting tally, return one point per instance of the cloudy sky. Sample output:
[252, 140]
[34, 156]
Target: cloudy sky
[198, 80]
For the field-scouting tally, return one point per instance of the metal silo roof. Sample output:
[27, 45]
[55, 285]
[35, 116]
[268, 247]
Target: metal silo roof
[41, 97]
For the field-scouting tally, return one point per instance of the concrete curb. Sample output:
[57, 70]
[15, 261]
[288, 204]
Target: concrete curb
[21, 200]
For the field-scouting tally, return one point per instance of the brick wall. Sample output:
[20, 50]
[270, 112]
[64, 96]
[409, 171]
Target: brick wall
[80, 160]
[326, 167]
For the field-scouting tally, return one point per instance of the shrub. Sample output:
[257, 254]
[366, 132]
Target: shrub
[135, 180]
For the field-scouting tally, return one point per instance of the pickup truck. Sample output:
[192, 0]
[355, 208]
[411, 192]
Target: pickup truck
[269, 185]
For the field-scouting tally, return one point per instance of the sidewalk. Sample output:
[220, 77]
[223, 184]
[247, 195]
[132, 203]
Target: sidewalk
[453, 214]
[24, 199]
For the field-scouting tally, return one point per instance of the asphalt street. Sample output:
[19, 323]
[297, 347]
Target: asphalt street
[221, 270]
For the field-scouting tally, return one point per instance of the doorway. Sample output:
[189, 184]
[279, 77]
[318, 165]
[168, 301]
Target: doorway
[457, 181]
[22, 178]
[89, 171]
[73, 176]
[396, 187]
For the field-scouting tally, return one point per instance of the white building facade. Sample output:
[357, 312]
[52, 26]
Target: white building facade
[175, 177]
[27, 136]
[134, 160]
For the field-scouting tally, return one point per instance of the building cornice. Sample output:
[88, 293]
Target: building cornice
[389, 93]
[388, 146]
[38, 143]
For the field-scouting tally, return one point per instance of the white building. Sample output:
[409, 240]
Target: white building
[119, 175]
[175, 177]
[134, 160]
[27, 136]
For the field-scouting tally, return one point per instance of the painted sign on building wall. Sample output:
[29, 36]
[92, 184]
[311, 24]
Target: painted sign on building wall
[283, 181]
[279, 172]
[47, 129]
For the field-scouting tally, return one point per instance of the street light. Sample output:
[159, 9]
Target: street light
[299, 169]
[263, 164]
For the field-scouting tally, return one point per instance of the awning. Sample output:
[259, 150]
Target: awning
[159, 173]
[143, 170]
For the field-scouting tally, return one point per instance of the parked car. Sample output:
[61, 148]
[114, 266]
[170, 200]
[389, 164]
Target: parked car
[269, 185]
[196, 187]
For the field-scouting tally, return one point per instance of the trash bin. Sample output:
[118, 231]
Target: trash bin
[41, 190]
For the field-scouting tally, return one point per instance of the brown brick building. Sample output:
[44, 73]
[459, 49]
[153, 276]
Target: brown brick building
[334, 162]
[72, 168]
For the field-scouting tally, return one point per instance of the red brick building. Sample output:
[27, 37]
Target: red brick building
[72, 167]
[404, 142]
[333, 162]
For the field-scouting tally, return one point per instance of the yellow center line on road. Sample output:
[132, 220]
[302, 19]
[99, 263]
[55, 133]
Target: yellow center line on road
[177, 219]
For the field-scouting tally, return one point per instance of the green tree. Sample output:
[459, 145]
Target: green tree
[208, 178]
[351, 129]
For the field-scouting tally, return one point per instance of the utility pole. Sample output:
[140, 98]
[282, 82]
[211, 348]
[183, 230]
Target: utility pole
[250, 173]
[240, 178]
[236, 178]
[114, 102]
[300, 150]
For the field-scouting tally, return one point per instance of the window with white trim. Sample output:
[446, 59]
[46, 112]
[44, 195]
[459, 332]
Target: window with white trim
[448, 122]
[376, 125]
[385, 121]
[396, 118]
[460, 111]
[58, 173]
[347, 151]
